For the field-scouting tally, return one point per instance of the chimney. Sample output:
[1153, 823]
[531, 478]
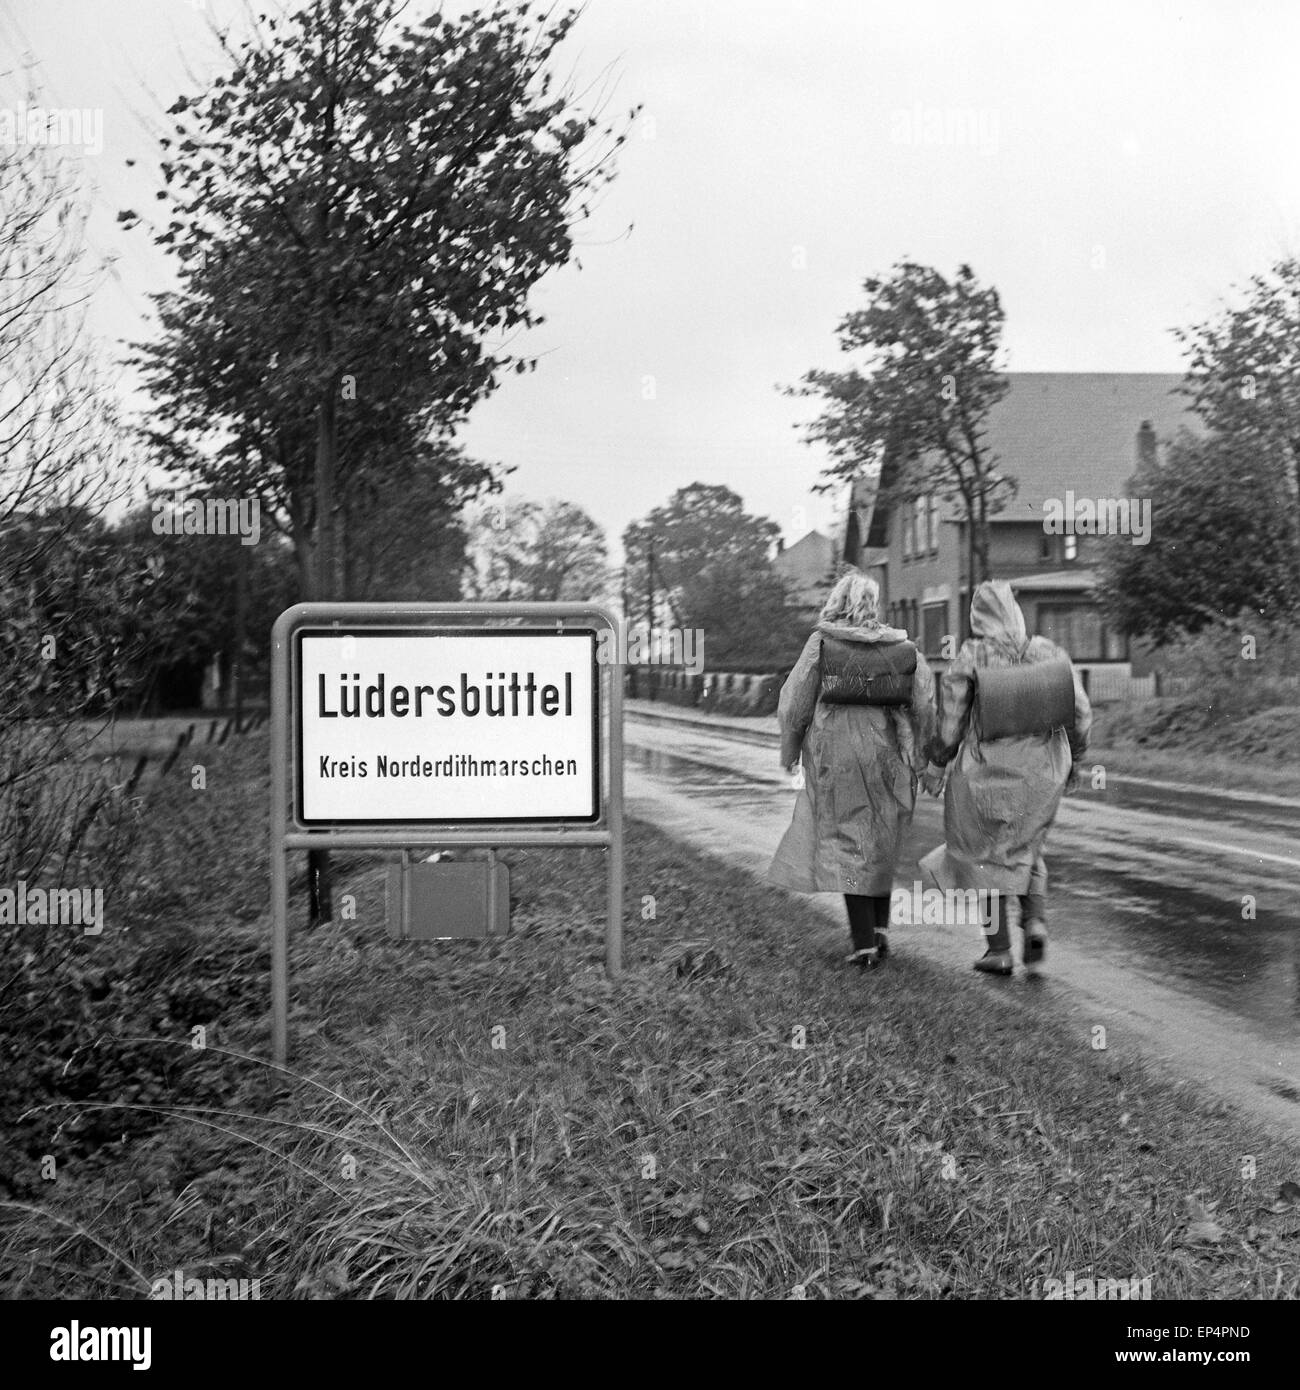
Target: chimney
[1146, 447]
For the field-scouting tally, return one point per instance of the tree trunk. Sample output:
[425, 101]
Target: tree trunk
[980, 538]
[970, 573]
[320, 898]
[241, 632]
[326, 460]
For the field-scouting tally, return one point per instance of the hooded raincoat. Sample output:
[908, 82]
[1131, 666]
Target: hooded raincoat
[860, 766]
[1002, 796]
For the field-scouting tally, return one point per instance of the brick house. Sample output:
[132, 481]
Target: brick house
[1058, 434]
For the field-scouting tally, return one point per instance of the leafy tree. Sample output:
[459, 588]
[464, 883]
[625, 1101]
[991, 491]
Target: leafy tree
[527, 551]
[406, 539]
[1243, 376]
[702, 524]
[1223, 542]
[744, 615]
[394, 191]
[571, 559]
[201, 596]
[710, 562]
[915, 410]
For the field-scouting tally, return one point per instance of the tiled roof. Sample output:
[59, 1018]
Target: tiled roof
[1059, 431]
[813, 540]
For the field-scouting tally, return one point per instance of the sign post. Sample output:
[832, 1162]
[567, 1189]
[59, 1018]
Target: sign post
[402, 726]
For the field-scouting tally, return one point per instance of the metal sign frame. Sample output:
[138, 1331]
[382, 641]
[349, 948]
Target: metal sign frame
[285, 717]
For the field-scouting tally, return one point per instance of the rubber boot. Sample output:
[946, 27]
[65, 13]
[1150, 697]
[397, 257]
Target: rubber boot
[996, 959]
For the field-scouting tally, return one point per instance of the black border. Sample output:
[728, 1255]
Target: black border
[402, 630]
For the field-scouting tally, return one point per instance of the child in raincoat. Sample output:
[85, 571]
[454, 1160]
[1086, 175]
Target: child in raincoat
[860, 767]
[1002, 794]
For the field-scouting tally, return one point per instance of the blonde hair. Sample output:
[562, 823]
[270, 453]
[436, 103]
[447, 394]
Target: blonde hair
[853, 601]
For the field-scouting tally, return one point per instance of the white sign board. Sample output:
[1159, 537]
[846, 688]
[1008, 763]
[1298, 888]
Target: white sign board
[436, 726]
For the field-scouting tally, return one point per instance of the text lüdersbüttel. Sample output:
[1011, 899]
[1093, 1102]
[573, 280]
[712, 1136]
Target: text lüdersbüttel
[503, 696]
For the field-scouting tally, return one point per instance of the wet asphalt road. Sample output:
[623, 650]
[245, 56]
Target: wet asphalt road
[1150, 890]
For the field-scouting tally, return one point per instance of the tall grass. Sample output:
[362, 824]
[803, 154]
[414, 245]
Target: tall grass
[736, 1117]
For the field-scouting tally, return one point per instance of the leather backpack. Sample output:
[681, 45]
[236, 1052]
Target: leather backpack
[866, 673]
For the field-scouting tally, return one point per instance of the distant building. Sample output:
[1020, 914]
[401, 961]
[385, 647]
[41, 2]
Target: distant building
[808, 568]
[1059, 434]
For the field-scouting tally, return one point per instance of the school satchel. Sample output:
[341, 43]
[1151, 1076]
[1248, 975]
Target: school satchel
[1033, 698]
[867, 673]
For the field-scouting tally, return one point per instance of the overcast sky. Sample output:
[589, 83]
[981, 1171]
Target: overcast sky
[1113, 169]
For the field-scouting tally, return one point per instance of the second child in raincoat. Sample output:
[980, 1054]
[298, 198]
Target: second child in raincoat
[1002, 794]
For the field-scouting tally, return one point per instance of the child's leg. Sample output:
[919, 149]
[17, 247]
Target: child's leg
[1033, 905]
[862, 921]
[880, 905]
[999, 926]
[1033, 914]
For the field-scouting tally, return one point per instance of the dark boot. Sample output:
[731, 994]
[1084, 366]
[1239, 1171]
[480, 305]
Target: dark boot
[996, 959]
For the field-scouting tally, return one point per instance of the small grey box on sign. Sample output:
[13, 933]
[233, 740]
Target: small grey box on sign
[446, 901]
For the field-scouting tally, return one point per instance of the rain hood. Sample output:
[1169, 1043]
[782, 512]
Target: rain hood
[995, 615]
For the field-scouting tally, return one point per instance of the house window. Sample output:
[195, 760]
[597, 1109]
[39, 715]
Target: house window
[922, 512]
[1080, 629]
[1046, 548]
[909, 532]
[1071, 548]
[934, 525]
[934, 624]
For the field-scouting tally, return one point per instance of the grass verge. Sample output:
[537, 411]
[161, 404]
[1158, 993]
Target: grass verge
[737, 1117]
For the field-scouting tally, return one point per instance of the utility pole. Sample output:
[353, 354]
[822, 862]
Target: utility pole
[650, 610]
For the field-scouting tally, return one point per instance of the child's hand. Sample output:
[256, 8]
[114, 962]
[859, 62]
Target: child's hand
[933, 778]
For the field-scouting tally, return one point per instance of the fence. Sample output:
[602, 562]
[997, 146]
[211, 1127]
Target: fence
[719, 692]
[219, 731]
[736, 692]
[1105, 686]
